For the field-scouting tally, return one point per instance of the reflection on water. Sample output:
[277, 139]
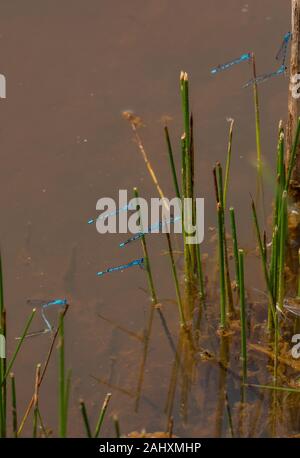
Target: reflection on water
[71, 73]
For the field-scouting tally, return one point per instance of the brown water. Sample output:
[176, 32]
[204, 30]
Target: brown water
[72, 67]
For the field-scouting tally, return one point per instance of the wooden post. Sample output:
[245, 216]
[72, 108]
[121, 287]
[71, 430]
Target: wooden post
[293, 103]
[293, 114]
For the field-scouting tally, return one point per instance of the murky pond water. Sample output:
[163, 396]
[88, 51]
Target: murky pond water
[72, 67]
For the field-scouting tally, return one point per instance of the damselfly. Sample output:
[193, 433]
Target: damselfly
[136, 262]
[281, 54]
[151, 229]
[43, 305]
[266, 76]
[113, 213]
[243, 58]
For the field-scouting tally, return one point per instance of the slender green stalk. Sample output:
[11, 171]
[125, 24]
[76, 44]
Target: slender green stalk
[263, 259]
[282, 243]
[14, 405]
[243, 315]
[146, 258]
[117, 426]
[188, 156]
[61, 377]
[42, 423]
[223, 322]
[229, 297]
[228, 161]
[36, 400]
[172, 164]
[85, 419]
[187, 257]
[67, 396]
[184, 87]
[179, 300]
[235, 247]
[200, 275]
[273, 274]
[102, 415]
[21, 340]
[183, 167]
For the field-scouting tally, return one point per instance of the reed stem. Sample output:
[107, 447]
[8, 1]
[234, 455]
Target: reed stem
[178, 295]
[146, 256]
[243, 315]
[14, 405]
[235, 247]
[117, 426]
[282, 244]
[172, 164]
[11, 363]
[36, 400]
[223, 322]
[85, 419]
[102, 415]
[228, 162]
[263, 260]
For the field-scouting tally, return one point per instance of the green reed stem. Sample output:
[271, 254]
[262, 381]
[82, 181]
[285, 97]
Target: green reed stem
[178, 295]
[223, 322]
[282, 244]
[172, 164]
[102, 415]
[228, 162]
[187, 258]
[85, 419]
[200, 275]
[11, 363]
[184, 89]
[235, 247]
[36, 400]
[273, 274]
[264, 262]
[220, 193]
[117, 426]
[184, 86]
[190, 258]
[67, 396]
[146, 257]
[14, 405]
[243, 315]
